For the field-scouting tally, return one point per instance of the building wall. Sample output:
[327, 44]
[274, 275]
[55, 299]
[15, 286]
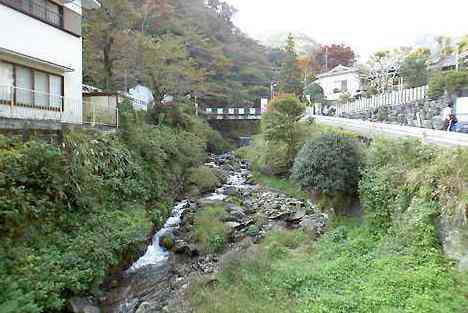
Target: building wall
[37, 39]
[330, 83]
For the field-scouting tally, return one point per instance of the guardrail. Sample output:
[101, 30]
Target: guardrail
[373, 129]
[398, 97]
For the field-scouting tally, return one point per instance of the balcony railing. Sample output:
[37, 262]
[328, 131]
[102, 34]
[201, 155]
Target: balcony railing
[30, 104]
[48, 12]
[26, 104]
[37, 9]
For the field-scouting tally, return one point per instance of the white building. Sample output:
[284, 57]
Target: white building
[144, 95]
[339, 81]
[41, 59]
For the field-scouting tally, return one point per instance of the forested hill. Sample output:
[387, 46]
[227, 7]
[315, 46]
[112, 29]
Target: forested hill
[175, 47]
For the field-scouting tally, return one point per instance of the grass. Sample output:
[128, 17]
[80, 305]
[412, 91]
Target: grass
[342, 273]
[210, 232]
[281, 184]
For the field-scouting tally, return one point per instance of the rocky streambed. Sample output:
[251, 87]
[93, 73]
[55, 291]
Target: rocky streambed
[160, 279]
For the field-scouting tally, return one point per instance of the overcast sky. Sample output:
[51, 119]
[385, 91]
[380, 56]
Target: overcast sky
[366, 25]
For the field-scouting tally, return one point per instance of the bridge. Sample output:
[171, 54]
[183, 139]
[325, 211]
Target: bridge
[233, 113]
[375, 129]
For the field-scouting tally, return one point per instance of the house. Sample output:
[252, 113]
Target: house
[450, 62]
[41, 59]
[341, 80]
[144, 94]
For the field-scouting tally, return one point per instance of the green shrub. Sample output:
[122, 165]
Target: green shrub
[328, 164]
[204, 178]
[450, 82]
[210, 232]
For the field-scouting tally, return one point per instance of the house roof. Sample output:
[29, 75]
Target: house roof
[338, 70]
[448, 60]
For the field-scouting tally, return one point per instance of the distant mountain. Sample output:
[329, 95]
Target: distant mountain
[304, 43]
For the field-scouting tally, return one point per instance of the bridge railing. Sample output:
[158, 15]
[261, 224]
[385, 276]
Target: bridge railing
[233, 113]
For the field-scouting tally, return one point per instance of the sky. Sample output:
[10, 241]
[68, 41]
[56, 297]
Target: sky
[365, 25]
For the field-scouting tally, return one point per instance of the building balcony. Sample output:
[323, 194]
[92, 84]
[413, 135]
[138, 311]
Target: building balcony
[48, 12]
[25, 104]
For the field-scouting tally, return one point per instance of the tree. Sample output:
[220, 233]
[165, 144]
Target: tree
[105, 33]
[290, 76]
[168, 69]
[315, 91]
[415, 68]
[280, 123]
[328, 57]
[383, 69]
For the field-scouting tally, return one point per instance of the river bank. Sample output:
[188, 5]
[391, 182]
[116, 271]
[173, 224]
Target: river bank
[159, 280]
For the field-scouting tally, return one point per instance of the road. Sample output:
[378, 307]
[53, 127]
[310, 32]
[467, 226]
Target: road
[373, 129]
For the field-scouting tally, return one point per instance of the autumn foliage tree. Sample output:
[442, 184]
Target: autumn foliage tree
[329, 56]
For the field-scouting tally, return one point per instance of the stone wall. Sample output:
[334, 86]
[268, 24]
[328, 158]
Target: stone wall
[423, 113]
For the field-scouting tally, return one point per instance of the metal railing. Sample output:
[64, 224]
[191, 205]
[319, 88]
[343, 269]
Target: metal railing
[394, 98]
[24, 103]
[38, 9]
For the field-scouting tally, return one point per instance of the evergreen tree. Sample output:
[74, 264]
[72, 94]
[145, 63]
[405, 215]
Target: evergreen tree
[290, 75]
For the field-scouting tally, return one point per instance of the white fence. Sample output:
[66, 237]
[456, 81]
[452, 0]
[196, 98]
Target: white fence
[394, 98]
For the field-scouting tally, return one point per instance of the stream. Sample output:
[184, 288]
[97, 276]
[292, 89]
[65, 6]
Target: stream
[149, 283]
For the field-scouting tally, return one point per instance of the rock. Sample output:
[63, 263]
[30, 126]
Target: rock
[145, 307]
[167, 241]
[314, 225]
[83, 305]
[296, 217]
[182, 247]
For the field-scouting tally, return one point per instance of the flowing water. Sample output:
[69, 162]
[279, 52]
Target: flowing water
[149, 278]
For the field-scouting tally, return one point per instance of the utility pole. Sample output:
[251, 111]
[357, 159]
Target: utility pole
[326, 59]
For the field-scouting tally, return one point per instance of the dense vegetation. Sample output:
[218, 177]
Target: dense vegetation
[175, 47]
[70, 214]
[388, 261]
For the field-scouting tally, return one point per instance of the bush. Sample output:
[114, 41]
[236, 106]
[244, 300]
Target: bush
[204, 178]
[328, 164]
[451, 82]
[210, 232]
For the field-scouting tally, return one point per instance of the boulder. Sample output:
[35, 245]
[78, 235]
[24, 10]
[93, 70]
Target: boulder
[83, 305]
[182, 247]
[297, 216]
[145, 307]
[314, 225]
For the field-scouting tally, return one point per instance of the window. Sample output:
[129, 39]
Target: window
[41, 89]
[344, 85]
[30, 87]
[241, 111]
[55, 90]
[220, 111]
[24, 84]
[252, 111]
[53, 14]
[6, 82]
[43, 10]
